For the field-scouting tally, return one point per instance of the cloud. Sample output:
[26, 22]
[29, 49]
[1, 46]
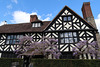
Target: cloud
[24, 17]
[49, 15]
[21, 17]
[7, 13]
[9, 6]
[98, 22]
[15, 1]
[47, 19]
[2, 23]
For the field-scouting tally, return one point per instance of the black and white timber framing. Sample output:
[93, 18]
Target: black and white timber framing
[68, 27]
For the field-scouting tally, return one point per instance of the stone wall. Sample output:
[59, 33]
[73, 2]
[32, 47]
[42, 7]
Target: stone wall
[98, 38]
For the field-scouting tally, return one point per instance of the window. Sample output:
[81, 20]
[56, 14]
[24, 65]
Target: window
[66, 55]
[62, 40]
[68, 37]
[33, 25]
[8, 55]
[39, 25]
[66, 40]
[67, 18]
[13, 39]
[36, 25]
[61, 35]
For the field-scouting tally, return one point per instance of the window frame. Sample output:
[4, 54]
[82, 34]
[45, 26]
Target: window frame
[36, 24]
[13, 39]
[67, 16]
[66, 39]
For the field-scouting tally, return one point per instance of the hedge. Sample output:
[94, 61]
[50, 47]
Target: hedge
[7, 62]
[65, 63]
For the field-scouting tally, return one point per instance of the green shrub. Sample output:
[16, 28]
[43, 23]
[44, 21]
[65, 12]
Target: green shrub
[7, 62]
[65, 63]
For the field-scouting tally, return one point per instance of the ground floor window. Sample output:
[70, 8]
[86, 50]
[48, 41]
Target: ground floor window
[8, 55]
[67, 55]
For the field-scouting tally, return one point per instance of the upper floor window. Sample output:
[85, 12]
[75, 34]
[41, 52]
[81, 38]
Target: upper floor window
[13, 39]
[36, 25]
[67, 18]
[68, 37]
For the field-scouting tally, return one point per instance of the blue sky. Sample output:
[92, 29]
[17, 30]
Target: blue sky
[18, 11]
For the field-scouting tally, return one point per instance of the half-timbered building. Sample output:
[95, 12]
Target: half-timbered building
[67, 26]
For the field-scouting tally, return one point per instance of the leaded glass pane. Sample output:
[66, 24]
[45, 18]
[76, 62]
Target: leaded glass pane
[21, 36]
[62, 40]
[71, 40]
[75, 39]
[14, 41]
[74, 34]
[61, 35]
[70, 34]
[10, 42]
[14, 36]
[66, 40]
[33, 25]
[8, 37]
[11, 37]
[69, 18]
[38, 25]
[7, 42]
[17, 36]
[65, 18]
[66, 34]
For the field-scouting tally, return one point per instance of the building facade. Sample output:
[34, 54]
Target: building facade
[67, 26]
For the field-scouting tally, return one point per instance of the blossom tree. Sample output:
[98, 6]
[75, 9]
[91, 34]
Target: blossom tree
[29, 48]
[24, 43]
[83, 47]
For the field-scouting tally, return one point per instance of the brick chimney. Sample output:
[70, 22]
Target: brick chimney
[87, 13]
[33, 18]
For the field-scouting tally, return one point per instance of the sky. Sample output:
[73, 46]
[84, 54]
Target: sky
[19, 11]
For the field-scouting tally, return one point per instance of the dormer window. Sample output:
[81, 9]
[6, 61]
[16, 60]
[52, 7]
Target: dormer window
[67, 18]
[35, 21]
[36, 25]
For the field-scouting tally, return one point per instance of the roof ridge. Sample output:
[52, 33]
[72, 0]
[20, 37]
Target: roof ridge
[15, 24]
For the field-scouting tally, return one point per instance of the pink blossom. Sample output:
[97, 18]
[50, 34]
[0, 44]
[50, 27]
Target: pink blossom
[44, 47]
[90, 48]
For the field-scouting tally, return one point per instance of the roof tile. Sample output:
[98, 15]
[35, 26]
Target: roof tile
[23, 27]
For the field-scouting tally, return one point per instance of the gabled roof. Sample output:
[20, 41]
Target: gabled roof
[23, 27]
[74, 13]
